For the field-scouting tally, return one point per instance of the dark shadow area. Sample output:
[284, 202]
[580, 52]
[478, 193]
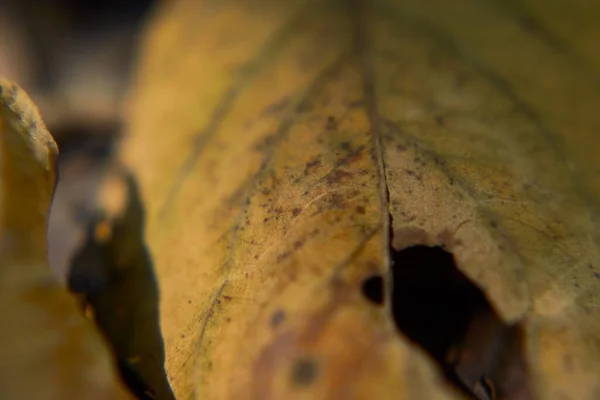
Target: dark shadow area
[96, 140]
[114, 273]
[442, 311]
[430, 297]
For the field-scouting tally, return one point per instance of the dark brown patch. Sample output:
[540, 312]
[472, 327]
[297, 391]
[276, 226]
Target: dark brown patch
[345, 146]
[265, 143]
[304, 372]
[438, 161]
[494, 224]
[277, 318]
[360, 209]
[296, 211]
[414, 174]
[297, 244]
[440, 120]
[228, 298]
[312, 165]
[596, 275]
[420, 161]
[338, 176]
[331, 124]
[401, 147]
[337, 201]
[352, 156]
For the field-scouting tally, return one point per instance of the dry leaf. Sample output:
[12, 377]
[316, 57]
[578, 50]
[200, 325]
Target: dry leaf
[49, 350]
[286, 151]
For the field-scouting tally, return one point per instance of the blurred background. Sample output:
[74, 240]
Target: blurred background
[74, 58]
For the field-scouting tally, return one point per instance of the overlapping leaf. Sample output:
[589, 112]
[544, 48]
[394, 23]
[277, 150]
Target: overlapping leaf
[48, 349]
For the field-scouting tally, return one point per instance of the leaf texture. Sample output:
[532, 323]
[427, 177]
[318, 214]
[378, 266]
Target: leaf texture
[283, 148]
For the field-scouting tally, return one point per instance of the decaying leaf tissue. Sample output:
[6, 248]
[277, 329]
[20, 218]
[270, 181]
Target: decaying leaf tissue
[328, 199]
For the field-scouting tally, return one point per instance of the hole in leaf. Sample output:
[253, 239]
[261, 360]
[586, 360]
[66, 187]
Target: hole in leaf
[442, 311]
[372, 289]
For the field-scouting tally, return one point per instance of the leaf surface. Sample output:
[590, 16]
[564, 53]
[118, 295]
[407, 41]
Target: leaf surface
[282, 149]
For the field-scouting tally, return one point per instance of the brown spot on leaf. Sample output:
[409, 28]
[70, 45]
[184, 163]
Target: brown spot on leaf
[414, 174]
[360, 209]
[304, 372]
[345, 146]
[337, 201]
[265, 143]
[338, 176]
[352, 156]
[296, 211]
[400, 147]
[331, 124]
[312, 165]
[277, 318]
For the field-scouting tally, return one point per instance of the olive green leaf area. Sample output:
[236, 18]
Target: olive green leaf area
[48, 349]
[284, 148]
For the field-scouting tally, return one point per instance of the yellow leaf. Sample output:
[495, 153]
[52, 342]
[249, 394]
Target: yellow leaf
[285, 149]
[48, 349]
